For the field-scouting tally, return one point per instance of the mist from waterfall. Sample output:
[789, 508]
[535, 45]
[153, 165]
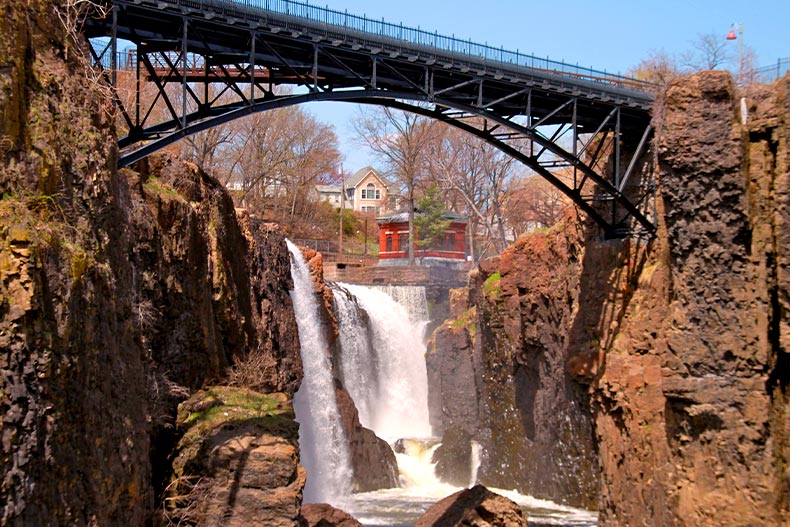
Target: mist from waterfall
[323, 443]
[383, 366]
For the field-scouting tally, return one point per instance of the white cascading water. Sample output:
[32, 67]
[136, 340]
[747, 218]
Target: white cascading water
[358, 358]
[412, 297]
[474, 462]
[384, 371]
[323, 443]
[382, 364]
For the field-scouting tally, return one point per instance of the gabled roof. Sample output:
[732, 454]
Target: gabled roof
[362, 173]
[328, 188]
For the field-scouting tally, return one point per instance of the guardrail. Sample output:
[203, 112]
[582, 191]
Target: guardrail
[773, 72]
[346, 23]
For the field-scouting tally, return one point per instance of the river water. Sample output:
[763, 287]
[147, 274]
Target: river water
[382, 366]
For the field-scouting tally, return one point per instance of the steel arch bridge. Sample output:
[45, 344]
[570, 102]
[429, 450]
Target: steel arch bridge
[545, 114]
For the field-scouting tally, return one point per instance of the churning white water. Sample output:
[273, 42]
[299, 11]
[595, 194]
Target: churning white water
[384, 368]
[323, 443]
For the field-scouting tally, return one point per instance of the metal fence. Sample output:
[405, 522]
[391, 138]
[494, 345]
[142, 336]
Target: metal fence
[774, 71]
[346, 24]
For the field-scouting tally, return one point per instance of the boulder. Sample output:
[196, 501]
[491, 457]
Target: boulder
[372, 459]
[237, 462]
[453, 457]
[475, 507]
[324, 515]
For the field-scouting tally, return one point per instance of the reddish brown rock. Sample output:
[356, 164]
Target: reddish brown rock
[499, 369]
[682, 342]
[475, 507]
[453, 458]
[324, 515]
[237, 462]
[692, 403]
[372, 460]
[454, 366]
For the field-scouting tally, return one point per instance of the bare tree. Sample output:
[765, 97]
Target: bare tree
[709, 52]
[277, 156]
[72, 14]
[403, 140]
[658, 68]
[534, 203]
[478, 174]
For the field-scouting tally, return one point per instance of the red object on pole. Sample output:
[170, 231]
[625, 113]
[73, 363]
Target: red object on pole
[731, 35]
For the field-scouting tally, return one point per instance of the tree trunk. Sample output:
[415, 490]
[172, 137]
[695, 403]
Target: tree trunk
[411, 227]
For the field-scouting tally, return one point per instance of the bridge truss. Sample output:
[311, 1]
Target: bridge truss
[545, 114]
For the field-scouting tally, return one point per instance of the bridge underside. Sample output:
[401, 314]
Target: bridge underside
[546, 120]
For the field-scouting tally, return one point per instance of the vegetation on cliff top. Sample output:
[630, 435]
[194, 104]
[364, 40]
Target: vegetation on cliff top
[220, 406]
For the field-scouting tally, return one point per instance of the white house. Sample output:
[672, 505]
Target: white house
[365, 191]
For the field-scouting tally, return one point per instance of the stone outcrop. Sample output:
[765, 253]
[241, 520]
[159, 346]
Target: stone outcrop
[372, 460]
[453, 458]
[237, 461]
[209, 281]
[475, 507]
[455, 368]
[119, 293]
[324, 515]
[505, 381]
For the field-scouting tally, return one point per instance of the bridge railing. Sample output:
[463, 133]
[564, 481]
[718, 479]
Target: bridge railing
[344, 23]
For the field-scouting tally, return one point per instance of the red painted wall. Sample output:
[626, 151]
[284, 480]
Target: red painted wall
[456, 251]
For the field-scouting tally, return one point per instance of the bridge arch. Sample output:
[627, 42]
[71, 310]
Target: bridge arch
[398, 101]
[188, 43]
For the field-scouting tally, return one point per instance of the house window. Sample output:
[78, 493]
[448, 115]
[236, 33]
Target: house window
[371, 192]
[403, 241]
[389, 243]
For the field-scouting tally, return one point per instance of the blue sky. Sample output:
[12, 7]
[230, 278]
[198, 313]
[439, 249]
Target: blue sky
[608, 34]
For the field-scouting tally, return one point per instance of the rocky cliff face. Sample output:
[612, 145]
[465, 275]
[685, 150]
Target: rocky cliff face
[119, 294]
[72, 378]
[691, 401]
[511, 344]
[668, 361]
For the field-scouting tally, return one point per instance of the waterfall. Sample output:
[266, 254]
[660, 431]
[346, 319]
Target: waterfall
[411, 297]
[358, 357]
[476, 458]
[323, 444]
[384, 369]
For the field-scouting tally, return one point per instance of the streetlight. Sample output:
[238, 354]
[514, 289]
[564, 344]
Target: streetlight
[731, 36]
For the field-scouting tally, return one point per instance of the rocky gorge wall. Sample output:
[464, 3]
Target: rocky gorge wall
[691, 400]
[510, 341]
[121, 294]
[667, 361]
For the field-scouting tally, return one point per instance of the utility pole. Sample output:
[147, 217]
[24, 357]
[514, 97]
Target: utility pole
[731, 36]
[342, 208]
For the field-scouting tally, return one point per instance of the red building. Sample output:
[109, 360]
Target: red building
[394, 242]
